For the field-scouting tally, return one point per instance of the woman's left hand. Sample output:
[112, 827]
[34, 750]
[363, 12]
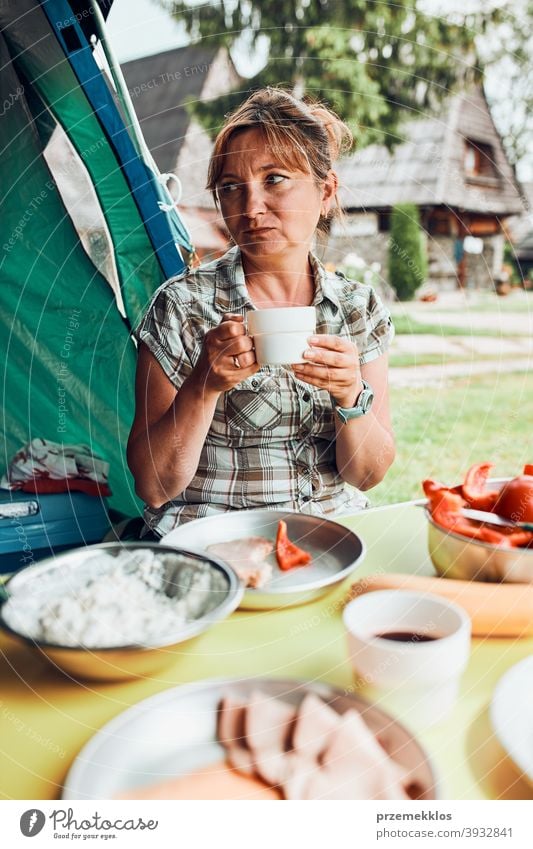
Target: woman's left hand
[332, 363]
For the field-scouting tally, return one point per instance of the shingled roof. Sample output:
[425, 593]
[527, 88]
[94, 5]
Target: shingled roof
[159, 86]
[427, 168]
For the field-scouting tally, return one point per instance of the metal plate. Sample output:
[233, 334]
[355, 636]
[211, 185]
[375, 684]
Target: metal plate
[174, 733]
[336, 551]
[511, 714]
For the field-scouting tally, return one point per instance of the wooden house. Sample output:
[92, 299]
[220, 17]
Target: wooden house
[520, 230]
[453, 167]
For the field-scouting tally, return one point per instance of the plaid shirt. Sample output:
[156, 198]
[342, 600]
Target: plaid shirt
[272, 439]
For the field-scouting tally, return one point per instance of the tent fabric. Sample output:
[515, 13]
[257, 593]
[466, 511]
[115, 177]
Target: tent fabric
[68, 360]
[140, 179]
[39, 58]
[67, 354]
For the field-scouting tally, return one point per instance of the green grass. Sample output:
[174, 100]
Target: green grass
[486, 302]
[403, 360]
[405, 325]
[440, 434]
[422, 359]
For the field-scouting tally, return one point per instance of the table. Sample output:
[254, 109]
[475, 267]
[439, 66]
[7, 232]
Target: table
[45, 718]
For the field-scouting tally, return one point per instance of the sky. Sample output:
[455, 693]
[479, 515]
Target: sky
[141, 27]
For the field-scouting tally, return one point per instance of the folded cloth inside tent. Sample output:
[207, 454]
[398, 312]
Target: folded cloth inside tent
[46, 467]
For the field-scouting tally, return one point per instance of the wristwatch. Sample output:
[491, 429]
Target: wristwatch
[361, 406]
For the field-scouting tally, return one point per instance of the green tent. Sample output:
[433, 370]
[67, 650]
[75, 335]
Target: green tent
[69, 143]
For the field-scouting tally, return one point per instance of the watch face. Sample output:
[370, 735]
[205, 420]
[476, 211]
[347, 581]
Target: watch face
[361, 407]
[365, 400]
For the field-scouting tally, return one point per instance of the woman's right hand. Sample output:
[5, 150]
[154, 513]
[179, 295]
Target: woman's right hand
[227, 357]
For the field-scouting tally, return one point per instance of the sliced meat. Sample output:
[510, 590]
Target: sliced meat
[316, 721]
[231, 734]
[267, 726]
[300, 770]
[355, 765]
[241, 759]
[310, 753]
[247, 557]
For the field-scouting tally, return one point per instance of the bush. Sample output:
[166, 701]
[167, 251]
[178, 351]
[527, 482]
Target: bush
[511, 265]
[407, 253]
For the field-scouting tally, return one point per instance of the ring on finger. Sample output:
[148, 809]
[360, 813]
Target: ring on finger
[236, 362]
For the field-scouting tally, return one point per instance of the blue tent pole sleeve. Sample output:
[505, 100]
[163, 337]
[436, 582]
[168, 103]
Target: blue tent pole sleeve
[121, 87]
[166, 231]
[127, 105]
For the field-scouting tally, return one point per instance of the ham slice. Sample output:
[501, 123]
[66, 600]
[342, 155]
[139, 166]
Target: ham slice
[231, 734]
[355, 766]
[316, 721]
[311, 752]
[268, 725]
[247, 557]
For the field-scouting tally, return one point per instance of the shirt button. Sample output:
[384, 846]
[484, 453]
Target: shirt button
[306, 396]
[255, 384]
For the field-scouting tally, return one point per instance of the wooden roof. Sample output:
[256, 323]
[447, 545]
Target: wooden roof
[159, 86]
[427, 168]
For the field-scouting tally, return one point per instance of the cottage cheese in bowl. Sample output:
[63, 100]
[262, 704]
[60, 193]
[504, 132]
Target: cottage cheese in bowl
[134, 597]
[105, 610]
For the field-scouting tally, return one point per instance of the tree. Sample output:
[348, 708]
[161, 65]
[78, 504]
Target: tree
[371, 60]
[407, 254]
[506, 50]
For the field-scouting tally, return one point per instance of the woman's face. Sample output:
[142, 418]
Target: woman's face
[269, 209]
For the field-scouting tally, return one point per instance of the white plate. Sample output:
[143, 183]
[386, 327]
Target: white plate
[336, 551]
[174, 733]
[511, 714]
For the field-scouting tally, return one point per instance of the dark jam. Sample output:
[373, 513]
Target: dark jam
[406, 637]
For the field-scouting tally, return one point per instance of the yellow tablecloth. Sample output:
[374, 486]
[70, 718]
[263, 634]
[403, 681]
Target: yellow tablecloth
[45, 718]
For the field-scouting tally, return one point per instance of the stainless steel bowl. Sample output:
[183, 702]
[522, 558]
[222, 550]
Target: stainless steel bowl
[456, 556]
[56, 575]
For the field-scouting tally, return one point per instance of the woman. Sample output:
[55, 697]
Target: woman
[214, 431]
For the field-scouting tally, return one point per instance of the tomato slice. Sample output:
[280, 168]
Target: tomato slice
[288, 554]
[515, 499]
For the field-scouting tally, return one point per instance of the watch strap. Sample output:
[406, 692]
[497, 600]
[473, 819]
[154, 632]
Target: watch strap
[361, 407]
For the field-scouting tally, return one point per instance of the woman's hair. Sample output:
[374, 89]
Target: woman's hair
[301, 133]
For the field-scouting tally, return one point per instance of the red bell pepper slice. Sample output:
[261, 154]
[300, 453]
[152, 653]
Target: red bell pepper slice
[446, 509]
[431, 487]
[520, 539]
[474, 490]
[445, 505]
[288, 554]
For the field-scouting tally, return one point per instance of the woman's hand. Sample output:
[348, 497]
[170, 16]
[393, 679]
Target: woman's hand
[228, 355]
[332, 363]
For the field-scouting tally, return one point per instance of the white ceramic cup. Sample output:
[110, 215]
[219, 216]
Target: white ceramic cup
[280, 334]
[281, 320]
[418, 680]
